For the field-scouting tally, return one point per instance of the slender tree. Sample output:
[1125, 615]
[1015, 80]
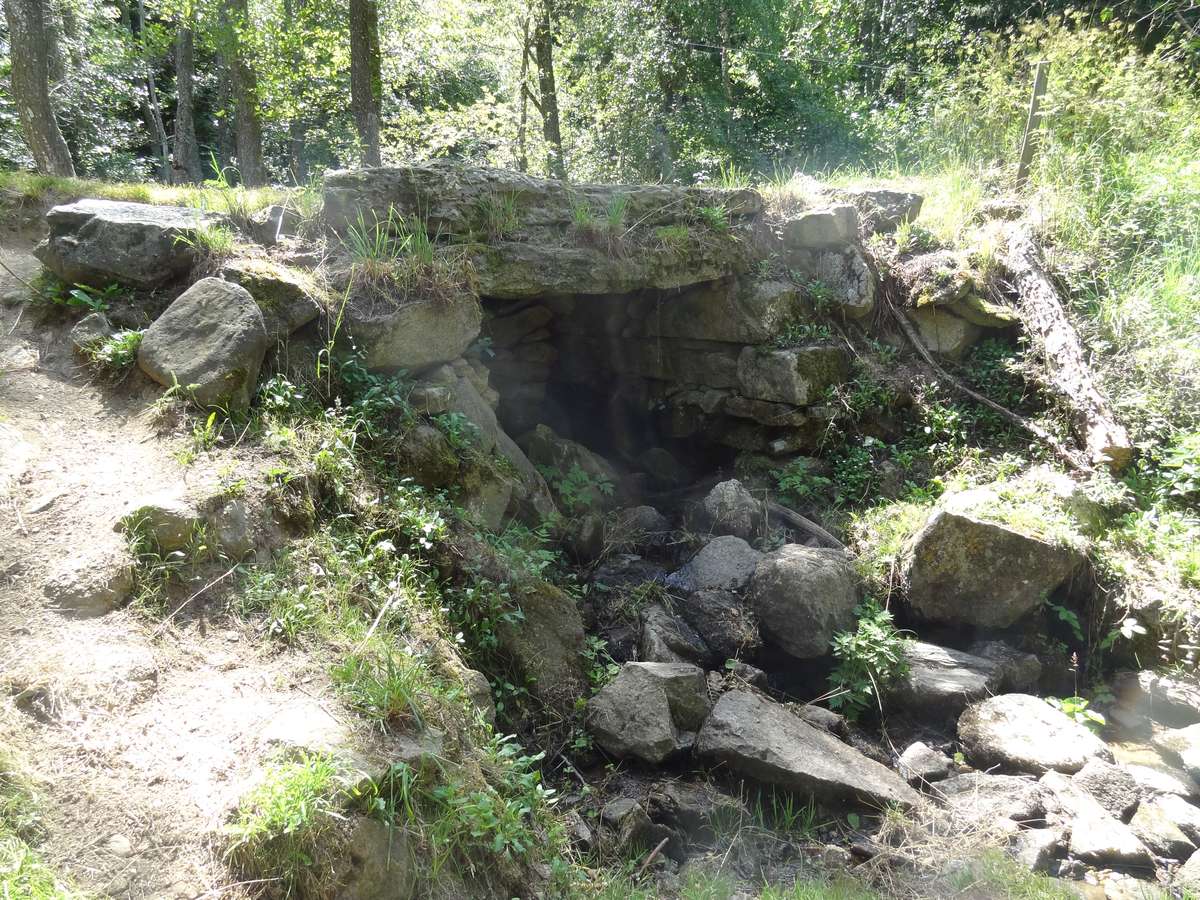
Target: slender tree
[294, 12]
[33, 39]
[247, 128]
[543, 48]
[366, 80]
[151, 108]
[187, 149]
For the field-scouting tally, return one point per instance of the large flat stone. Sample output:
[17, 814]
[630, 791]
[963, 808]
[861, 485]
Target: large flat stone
[941, 681]
[1023, 733]
[96, 242]
[762, 740]
[543, 251]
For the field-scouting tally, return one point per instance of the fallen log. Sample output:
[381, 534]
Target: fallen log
[801, 523]
[1066, 372]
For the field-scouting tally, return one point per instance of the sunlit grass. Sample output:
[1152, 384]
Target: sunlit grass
[28, 187]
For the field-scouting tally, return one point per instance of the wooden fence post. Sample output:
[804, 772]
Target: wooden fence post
[1029, 142]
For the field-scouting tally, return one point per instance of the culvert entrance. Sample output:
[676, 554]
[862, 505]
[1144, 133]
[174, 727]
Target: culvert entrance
[669, 383]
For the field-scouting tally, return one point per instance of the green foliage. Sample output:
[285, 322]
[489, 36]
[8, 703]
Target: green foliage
[1076, 709]
[528, 553]
[840, 887]
[83, 297]
[1069, 618]
[800, 333]
[673, 237]
[782, 811]
[24, 875]
[211, 243]
[880, 533]
[614, 214]
[116, 353]
[870, 660]
[497, 818]
[157, 569]
[798, 483]
[395, 257]
[715, 217]
[600, 666]
[1179, 469]
[461, 433]
[283, 828]
[56, 294]
[477, 612]
[500, 218]
[388, 687]
[995, 874]
[997, 370]
[577, 490]
[22, 872]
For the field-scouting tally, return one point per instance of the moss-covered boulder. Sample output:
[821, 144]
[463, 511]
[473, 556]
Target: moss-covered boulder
[990, 556]
[797, 376]
[289, 298]
[546, 646]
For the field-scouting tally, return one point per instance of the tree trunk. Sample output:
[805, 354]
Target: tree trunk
[244, 84]
[523, 119]
[153, 107]
[366, 81]
[726, 85]
[543, 43]
[226, 148]
[1066, 370]
[30, 31]
[298, 125]
[187, 149]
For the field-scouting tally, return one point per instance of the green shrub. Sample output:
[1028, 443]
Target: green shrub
[715, 217]
[284, 828]
[797, 482]
[116, 353]
[870, 660]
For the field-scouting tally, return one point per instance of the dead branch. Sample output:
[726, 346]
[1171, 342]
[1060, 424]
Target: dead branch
[797, 521]
[1067, 456]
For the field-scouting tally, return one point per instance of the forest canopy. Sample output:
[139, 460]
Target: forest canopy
[631, 90]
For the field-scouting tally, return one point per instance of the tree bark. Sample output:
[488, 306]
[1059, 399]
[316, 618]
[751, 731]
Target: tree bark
[366, 80]
[543, 43]
[247, 130]
[298, 125]
[187, 149]
[1105, 440]
[31, 32]
[523, 118]
[726, 84]
[153, 108]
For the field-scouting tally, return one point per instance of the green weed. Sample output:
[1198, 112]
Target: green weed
[387, 687]
[577, 490]
[114, 354]
[799, 482]
[283, 829]
[714, 217]
[1076, 709]
[211, 243]
[870, 660]
[499, 213]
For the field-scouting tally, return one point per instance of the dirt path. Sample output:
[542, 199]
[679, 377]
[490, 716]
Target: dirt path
[140, 736]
